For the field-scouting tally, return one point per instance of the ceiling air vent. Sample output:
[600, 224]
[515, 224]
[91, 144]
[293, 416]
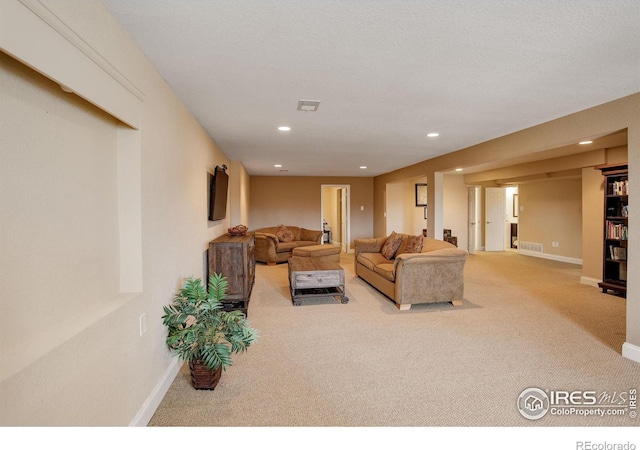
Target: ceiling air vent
[308, 105]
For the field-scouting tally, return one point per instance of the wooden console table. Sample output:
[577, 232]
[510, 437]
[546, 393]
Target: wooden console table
[233, 257]
[315, 277]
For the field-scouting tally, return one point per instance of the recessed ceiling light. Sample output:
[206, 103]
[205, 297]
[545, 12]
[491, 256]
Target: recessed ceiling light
[363, 167]
[277, 165]
[585, 142]
[284, 128]
[459, 169]
[433, 134]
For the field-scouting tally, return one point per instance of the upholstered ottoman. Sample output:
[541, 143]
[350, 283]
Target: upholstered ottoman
[326, 252]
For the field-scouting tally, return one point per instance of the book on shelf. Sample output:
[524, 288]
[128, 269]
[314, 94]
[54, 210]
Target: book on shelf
[617, 253]
[623, 272]
[617, 231]
[619, 188]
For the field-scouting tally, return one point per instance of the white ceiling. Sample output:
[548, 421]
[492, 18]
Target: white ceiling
[386, 73]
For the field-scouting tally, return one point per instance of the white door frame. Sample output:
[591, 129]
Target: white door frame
[473, 220]
[346, 234]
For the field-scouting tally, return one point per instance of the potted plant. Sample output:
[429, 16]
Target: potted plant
[202, 333]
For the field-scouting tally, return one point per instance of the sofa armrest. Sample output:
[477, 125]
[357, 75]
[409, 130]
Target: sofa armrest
[311, 235]
[265, 247]
[433, 276]
[267, 236]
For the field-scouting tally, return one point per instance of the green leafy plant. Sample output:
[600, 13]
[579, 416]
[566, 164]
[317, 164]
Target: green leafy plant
[200, 329]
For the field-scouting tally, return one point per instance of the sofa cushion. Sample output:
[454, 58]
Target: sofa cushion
[371, 260]
[391, 246]
[414, 244]
[316, 251]
[386, 270]
[286, 246]
[284, 235]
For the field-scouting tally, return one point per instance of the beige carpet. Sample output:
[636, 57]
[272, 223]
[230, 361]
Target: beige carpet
[525, 322]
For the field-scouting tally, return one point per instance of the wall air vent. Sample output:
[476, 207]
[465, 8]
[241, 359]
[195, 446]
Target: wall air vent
[308, 105]
[531, 247]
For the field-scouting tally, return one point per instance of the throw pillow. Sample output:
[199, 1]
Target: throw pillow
[391, 246]
[284, 235]
[414, 244]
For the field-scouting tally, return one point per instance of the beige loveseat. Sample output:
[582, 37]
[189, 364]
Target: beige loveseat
[270, 249]
[434, 275]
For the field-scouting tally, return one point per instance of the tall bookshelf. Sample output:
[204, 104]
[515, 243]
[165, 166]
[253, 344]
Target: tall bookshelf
[616, 226]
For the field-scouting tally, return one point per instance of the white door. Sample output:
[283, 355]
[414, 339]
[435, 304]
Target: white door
[495, 219]
[473, 218]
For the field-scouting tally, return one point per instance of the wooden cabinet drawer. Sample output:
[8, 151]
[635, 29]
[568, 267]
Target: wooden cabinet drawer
[306, 280]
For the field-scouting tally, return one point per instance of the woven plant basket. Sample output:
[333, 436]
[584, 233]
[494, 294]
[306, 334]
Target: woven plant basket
[202, 377]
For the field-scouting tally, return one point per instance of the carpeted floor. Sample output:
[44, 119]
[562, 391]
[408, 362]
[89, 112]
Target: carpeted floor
[525, 322]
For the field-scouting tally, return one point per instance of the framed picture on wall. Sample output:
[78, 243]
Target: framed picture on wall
[421, 194]
[515, 205]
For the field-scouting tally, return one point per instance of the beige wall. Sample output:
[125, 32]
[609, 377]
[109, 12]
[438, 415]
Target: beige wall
[402, 215]
[72, 352]
[297, 201]
[551, 211]
[396, 198]
[239, 182]
[455, 208]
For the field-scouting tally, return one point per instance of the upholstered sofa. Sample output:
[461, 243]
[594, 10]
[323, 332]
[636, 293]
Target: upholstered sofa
[434, 274]
[274, 245]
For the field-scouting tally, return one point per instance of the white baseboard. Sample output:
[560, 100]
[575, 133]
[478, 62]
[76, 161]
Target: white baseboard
[565, 259]
[590, 281]
[631, 352]
[149, 407]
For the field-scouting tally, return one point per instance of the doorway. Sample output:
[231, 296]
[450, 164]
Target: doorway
[500, 225]
[335, 220]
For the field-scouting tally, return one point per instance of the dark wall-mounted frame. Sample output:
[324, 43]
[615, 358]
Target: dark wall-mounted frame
[421, 194]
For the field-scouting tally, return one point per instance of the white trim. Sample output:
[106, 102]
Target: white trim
[631, 352]
[149, 407]
[565, 259]
[76, 67]
[590, 281]
[47, 15]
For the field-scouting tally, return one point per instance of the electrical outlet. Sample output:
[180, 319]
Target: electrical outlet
[143, 324]
[555, 244]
